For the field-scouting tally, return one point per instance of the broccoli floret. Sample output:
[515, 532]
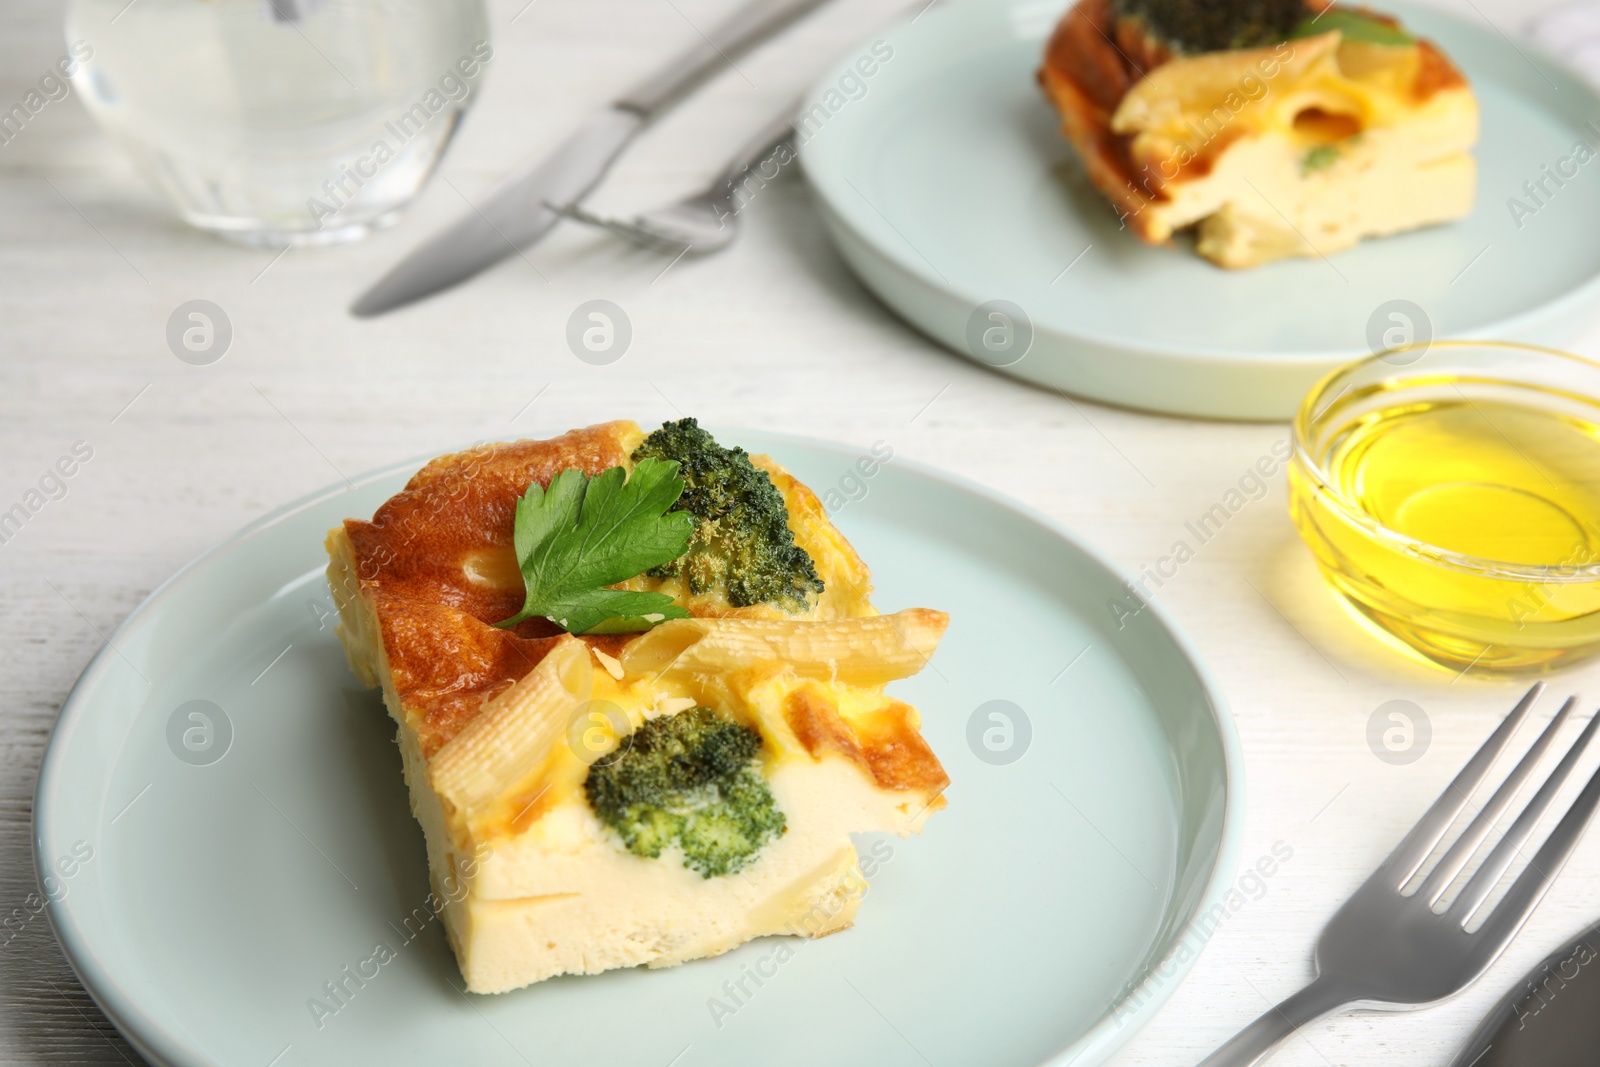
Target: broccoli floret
[742, 545]
[1189, 26]
[692, 780]
[1321, 157]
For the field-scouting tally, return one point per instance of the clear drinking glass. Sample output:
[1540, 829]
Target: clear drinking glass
[281, 121]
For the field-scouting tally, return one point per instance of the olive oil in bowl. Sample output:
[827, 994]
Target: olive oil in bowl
[1455, 500]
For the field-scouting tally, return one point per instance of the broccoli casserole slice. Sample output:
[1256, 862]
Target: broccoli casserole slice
[1273, 128]
[602, 801]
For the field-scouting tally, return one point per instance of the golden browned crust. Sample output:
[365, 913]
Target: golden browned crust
[462, 506]
[413, 563]
[1085, 75]
[888, 743]
[1092, 61]
[444, 663]
[1436, 73]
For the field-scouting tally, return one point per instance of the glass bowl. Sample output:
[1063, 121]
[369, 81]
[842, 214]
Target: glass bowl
[1451, 494]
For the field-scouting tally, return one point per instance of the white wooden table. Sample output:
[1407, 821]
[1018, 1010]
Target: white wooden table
[775, 333]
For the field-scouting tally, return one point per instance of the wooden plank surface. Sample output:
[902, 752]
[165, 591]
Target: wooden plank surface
[774, 333]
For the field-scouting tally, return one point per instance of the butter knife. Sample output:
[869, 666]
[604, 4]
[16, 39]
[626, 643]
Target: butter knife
[526, 206]
[1550, 1019]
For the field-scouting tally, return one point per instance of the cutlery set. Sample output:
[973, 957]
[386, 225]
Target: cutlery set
[528, 205]
[708, 220]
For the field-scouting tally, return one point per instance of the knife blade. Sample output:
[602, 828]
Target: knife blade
[526, 206]
[517, 214]
[1551, 1018]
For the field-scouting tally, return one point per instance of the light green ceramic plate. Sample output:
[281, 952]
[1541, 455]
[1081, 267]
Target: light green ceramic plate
[946, 185]
[1041, 918]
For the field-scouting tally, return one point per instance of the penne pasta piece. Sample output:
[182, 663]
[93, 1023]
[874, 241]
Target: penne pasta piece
[865, 651]
[501, 754]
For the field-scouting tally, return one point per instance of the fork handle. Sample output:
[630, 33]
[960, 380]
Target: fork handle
[716, 49]
[780, 129]
[1256, 1041]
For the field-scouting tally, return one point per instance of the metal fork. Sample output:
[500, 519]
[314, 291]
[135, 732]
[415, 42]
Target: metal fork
[1392, 951]
[706, 221]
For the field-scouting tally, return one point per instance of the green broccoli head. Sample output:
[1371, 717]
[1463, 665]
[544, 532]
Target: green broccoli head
[691, 780]
[1189, 26]
[742, 545]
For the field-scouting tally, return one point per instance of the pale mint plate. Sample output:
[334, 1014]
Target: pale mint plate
[1040, 919]
[946, 185]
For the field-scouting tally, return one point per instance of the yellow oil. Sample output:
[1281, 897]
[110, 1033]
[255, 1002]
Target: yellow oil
[1515, 488]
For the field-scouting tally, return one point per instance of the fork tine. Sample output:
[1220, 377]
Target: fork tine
[1529, 888]
[636, 229]
[1416, 845]
[1461, 851]
[1488, 874]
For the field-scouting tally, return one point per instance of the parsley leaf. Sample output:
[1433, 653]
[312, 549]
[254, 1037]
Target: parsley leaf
[582, 534]
[1355, 27]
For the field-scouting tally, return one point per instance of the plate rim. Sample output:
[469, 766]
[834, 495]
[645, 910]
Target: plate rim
[832, 188]
[158, 1044]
